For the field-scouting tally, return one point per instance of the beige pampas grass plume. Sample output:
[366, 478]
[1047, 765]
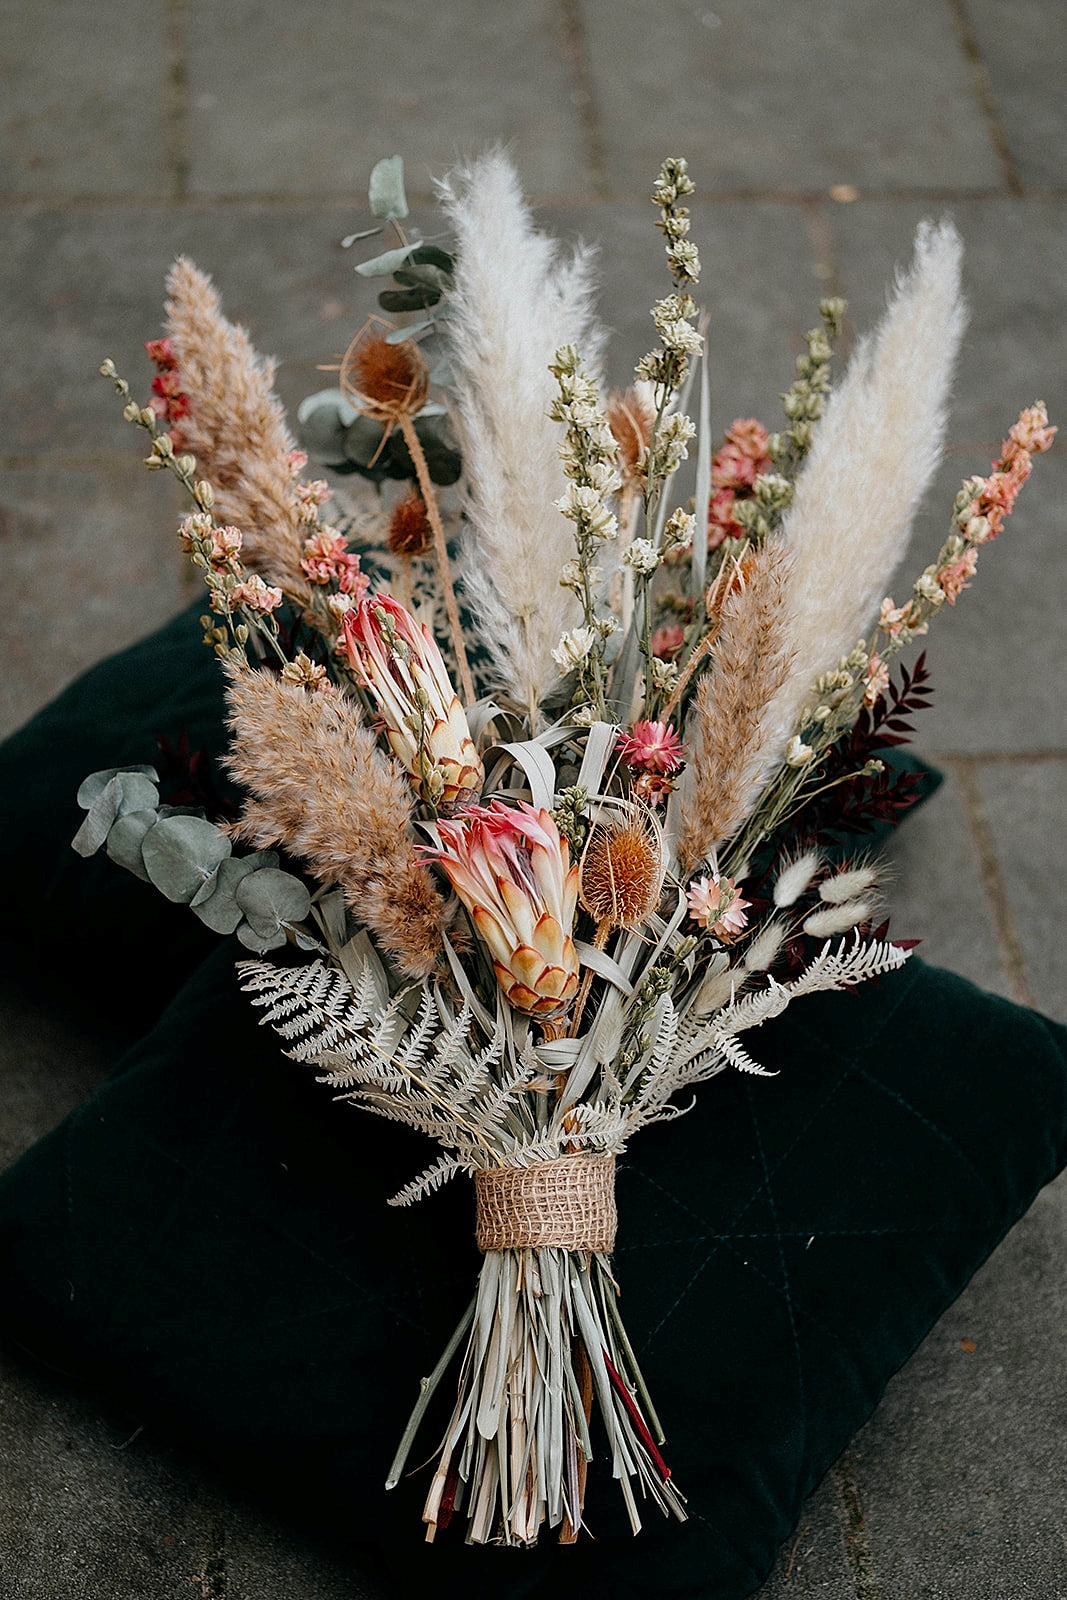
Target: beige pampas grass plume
[323, 790]
[727, 734]
[236, 428]
[872, 459]
[517, 299]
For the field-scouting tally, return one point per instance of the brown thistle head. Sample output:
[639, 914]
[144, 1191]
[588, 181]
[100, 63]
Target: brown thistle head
[409, 532]
[382, 380]
[621, 871]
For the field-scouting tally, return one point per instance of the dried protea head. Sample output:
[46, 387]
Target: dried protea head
[620, 875]
[409, 532]
[382, 380]
[631, 416]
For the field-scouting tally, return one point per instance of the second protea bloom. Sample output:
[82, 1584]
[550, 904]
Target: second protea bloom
[512, 870]
[399, 662]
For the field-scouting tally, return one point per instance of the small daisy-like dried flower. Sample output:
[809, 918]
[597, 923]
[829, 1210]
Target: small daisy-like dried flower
[382, 380]
[717, 905]
[620, 875]
[651, 747]
[255, 594]
[309, 673]
[409, 532]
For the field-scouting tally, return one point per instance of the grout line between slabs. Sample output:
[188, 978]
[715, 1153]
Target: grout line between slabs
[576, 48]
[987, 103]
[854, 1529]
[177, 100]
[1009, 943]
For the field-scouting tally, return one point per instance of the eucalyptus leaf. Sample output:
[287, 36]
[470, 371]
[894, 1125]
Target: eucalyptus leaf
[125, 790]
[412, 275]
[386, 189]
[431, 255]
[385, 265]
[414, 331]
[181, 853]
[272, 899]
[125, 839]
[97, 782]
[420, 299]
[363, 441]
[366, 233]
[259, 942]
[326, 398]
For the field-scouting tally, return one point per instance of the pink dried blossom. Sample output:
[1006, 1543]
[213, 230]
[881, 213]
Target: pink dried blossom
[717, 905]
[722, 524]
[652, 788]
[161, 351]
[255, 595]
[225, 545]
[1032, 431]
[651, 747]
[731, 468]
[327, 559]
[296, 461]
[309, 496]
[877, 680]
[953, 578]
[667, 641]
[892, 618]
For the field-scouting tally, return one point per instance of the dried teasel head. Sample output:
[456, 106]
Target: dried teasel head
[409, 532]
[621, 871]
[382, 380]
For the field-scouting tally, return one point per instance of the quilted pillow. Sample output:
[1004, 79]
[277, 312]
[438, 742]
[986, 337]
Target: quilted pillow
[206, 1239]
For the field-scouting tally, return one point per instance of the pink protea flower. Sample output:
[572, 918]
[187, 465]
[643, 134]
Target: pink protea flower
[667, 641]
[327, 559]
[717, 905]
[953, 578]
[651, 747]
[512, 870]
[397, 659]
[255, 594]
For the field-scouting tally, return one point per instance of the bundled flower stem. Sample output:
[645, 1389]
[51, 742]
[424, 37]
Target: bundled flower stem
[527, 941]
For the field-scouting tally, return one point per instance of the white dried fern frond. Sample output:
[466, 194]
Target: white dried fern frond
[435, 1177]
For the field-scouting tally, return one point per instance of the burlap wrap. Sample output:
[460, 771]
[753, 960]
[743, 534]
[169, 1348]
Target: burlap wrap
[569, 1202]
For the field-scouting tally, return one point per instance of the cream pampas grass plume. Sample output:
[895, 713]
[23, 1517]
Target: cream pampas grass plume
[517, 299]
[874, 454]
[236, 428]
[728, 733]
[322, 789]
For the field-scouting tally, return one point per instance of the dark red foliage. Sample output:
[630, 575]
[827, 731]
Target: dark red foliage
[189, 779]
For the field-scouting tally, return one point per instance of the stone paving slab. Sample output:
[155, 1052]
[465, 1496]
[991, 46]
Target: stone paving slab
[290, 100]
[1026, 808]
[961, 1468]
[1024, 52]
[743, 89]
[83, 89]
[812, 1564]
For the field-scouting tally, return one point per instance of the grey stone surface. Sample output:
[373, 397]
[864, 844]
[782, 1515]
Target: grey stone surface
[84, 94]
[1024, 50]
[47, 1067]
[113, 573]
[1026, 806]
[934, 891]
[743, 89]
[960, 1469]
[292, 101]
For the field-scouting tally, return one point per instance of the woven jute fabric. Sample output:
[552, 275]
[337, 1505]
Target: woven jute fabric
[569, 1202]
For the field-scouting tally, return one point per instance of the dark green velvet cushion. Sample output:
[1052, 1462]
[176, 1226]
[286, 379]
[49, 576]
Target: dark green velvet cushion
[207, 1238]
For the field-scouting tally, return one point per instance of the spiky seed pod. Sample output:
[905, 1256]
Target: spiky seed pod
[409, 532]
[382, 380]
[621, 872]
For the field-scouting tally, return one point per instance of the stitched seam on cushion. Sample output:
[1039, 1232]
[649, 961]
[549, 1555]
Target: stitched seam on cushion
[145, 1141]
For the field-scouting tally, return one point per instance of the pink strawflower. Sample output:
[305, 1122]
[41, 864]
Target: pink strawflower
[652, 788]
[651, 747]
[717, 905]
[161, 351]
[953, 578]
[327, 559]
[255, 594]
[667, 641]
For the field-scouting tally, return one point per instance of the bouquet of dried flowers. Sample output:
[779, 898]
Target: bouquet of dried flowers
[539, 801]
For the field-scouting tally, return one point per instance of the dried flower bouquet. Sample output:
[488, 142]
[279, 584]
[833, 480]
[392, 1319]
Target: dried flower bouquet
[526, 917]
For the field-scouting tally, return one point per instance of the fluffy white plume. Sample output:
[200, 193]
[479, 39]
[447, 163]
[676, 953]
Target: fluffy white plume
[517, 298]
[874, 454]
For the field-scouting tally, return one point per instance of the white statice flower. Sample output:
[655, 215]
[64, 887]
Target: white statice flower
[583, 505]
[574, 648]
[570, 576]
[641, 555]
[797, 753]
